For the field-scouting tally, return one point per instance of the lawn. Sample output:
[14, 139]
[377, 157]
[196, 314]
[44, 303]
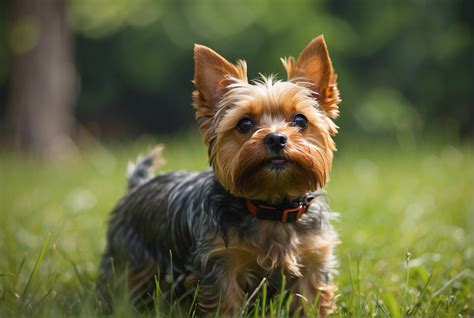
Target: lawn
[406, 224]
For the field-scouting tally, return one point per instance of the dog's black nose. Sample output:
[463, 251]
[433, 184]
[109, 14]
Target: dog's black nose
[275, 141]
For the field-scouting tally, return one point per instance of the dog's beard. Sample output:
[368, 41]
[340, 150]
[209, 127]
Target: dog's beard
[256, 173]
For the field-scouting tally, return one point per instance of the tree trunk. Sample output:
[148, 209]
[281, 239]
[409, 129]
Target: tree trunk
[42, 78]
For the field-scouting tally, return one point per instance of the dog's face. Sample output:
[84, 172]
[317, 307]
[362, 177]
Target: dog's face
[269, 140]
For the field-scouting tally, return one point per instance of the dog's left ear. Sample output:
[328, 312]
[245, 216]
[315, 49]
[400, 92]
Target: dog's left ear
[314, 65]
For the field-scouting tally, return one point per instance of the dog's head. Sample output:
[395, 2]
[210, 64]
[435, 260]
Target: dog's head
[270, 139]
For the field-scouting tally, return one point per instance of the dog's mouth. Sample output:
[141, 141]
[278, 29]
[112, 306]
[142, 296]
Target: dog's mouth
[277, 163]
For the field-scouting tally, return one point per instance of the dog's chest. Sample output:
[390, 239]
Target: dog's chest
[271, 248]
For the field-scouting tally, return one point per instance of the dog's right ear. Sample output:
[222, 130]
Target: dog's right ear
[211, 76]
[314, 66]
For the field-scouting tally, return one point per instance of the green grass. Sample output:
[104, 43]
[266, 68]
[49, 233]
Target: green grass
[393, 203]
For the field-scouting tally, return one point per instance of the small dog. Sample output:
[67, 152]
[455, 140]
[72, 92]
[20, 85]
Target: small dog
[258, 214]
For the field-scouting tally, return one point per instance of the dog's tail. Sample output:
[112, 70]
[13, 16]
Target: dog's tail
[143, 168]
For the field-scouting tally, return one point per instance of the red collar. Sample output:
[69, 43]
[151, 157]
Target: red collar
[285, 213]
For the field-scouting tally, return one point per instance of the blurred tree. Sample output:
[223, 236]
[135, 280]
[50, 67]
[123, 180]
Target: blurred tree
[41, 96]
[396, 61]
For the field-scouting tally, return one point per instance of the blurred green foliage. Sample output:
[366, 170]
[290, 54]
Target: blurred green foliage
[404, 67]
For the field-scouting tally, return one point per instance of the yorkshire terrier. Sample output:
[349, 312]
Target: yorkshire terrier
[258, 214]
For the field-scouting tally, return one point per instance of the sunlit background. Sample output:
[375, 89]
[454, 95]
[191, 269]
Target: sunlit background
[86, 85]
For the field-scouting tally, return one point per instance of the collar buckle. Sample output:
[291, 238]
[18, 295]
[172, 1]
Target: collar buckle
[294, 213]
[281, 213]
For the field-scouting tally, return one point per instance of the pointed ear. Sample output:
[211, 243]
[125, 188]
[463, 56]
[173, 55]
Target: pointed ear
[211, 75]
[314, 65]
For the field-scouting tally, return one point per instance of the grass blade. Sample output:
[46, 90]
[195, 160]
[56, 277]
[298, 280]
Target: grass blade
[418, 299]
[76, 270]
[20, 268]
[37, 265]
[452, 280]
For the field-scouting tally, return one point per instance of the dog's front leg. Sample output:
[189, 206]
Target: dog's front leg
[218, 287]
[316, 295]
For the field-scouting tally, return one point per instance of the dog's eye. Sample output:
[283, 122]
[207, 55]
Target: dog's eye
[300, 121]
[245, 125]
